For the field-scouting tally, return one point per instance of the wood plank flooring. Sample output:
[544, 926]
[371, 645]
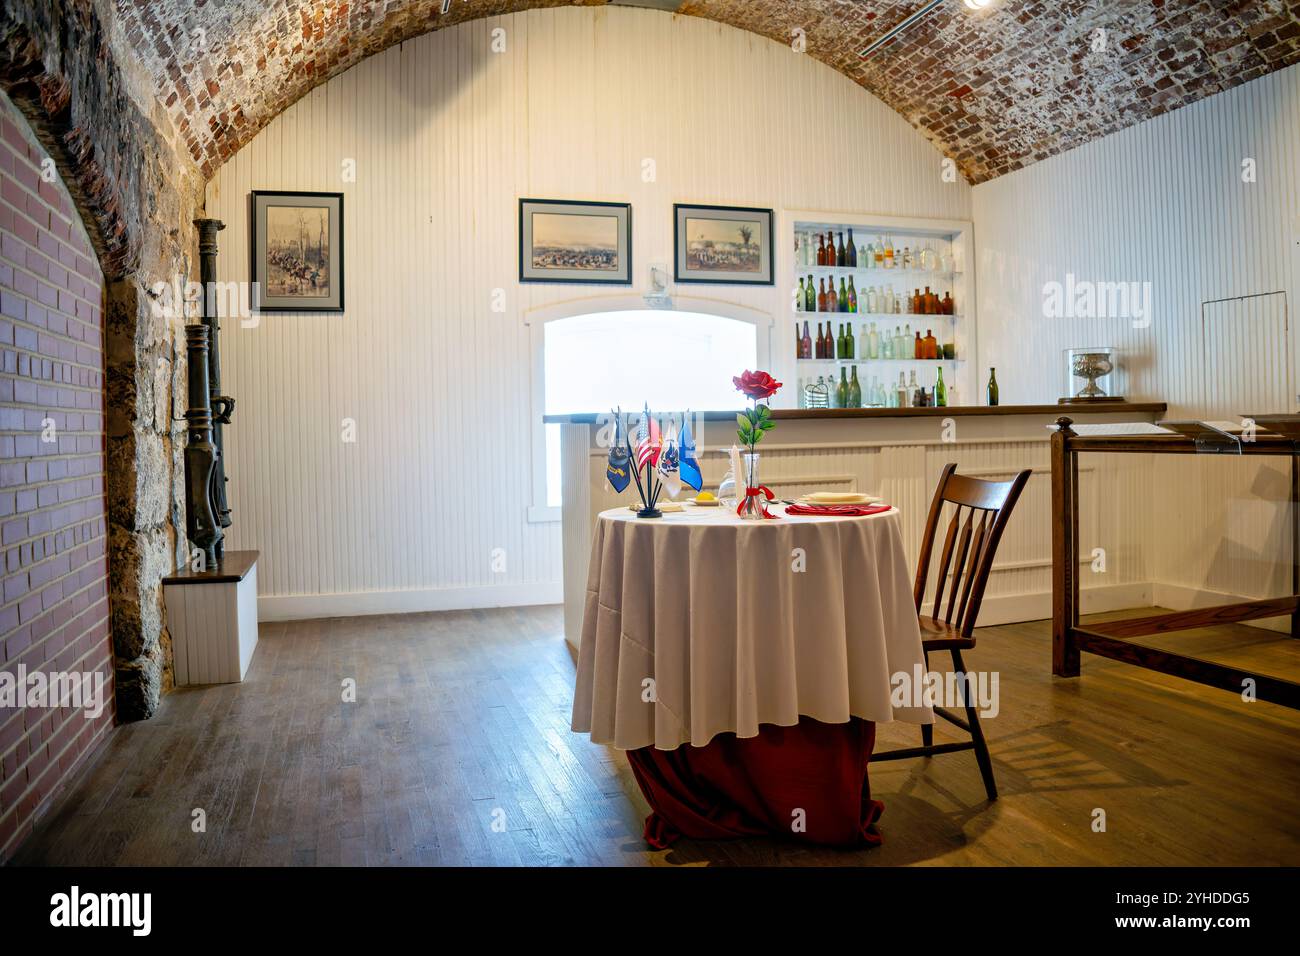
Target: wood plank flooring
[457, 751]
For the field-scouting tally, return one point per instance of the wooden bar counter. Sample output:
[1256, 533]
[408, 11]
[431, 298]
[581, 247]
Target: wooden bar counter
[898, 454]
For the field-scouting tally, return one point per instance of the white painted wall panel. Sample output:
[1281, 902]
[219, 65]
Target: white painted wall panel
[447, 136]
[1165, 203]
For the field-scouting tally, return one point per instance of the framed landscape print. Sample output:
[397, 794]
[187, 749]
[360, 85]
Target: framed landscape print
[297, 246]
[562, 241]
[724, 244]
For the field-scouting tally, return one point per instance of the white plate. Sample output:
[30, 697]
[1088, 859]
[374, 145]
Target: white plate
[840, 498]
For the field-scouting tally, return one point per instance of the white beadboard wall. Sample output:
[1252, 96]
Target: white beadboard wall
[447, 136]
[1164, 202]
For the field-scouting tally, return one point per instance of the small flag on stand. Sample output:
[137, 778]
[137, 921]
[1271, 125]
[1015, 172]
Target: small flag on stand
[647, 441]
[688, 467]
[618, 469]
[667, 466]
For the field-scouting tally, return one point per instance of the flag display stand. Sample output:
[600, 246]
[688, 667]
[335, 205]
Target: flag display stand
[656, 456]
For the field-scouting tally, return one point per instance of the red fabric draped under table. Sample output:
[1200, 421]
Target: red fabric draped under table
[754, 786]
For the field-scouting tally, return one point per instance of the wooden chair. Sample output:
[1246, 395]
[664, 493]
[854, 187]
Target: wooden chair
[987, 506]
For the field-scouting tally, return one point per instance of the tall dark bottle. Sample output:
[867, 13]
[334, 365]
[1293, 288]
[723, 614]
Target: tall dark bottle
[841, 255]
[832, 300]
[852, 261]
[805, 344]
[993, 386]
[843, 299]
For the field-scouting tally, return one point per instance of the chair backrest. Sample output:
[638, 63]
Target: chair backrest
[987, 506]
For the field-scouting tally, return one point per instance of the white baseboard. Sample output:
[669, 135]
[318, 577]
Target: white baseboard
[298, 607]
[1179, 597]
[1014, 608]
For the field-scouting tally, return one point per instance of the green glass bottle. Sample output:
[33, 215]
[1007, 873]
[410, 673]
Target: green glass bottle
[993, 386]
[940, 390]
[848, 340]
[844, 296]
[842, 390]
[853, 297]
[801, 297]
[855, 390]
[810, 296]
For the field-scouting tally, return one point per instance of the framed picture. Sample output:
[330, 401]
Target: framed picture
[561, 241]
[723, 244]
[297, 246]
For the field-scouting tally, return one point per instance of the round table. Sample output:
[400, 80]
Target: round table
[767, 646]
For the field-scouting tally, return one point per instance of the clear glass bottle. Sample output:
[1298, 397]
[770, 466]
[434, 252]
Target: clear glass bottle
[902, 393]
[878, 254]
[873, 343]
[889, 253]
[872, 301]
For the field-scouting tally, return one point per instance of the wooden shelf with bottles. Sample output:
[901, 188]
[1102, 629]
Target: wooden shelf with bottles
[946, 247]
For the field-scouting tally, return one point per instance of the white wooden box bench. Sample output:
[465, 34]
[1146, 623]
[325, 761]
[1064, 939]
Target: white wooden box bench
[212, 616]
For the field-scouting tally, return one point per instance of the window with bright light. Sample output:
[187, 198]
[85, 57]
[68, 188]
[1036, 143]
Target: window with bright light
[673, 360]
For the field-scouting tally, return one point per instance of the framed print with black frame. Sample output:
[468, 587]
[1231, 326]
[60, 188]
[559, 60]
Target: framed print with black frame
[565, 241]
[729, 245]
[296, 242]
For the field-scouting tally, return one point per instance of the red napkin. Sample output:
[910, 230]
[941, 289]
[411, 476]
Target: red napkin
[839, 511]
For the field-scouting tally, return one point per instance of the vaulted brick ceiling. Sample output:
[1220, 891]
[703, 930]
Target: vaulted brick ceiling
[994, 90]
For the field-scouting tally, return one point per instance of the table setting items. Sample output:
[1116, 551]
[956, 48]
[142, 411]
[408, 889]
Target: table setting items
[654, 461]
[753, 424]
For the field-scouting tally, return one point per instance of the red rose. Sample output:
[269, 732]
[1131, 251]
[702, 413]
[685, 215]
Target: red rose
[756, 385]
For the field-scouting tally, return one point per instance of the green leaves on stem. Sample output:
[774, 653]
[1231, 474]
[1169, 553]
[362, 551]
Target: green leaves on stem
[752, 423]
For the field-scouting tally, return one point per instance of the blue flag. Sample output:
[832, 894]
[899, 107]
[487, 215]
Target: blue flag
[687, 466]
[618, 469]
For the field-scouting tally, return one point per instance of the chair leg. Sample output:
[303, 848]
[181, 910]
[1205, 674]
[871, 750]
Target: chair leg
[977, 734]
[927, 730]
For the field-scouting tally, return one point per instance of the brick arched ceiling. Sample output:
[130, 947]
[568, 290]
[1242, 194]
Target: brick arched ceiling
[994, 90]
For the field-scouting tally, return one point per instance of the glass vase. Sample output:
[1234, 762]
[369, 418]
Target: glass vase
[753, 505]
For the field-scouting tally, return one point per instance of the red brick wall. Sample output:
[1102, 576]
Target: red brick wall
[53, 527]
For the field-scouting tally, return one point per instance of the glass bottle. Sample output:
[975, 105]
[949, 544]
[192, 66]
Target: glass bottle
[863, 343]
[821, 296]
[810, 302]
[886, 345]
[843, 298]
[832, 300]
[798, 342]
[931, 345]
[873, 343]
[842, 390]
[839, 341]
[879, 254]
[889, 253]
[818, 347]
[828, 349]
[805, 346]
[830, 249]
[993, 386]
[855, 390]
[853, 295]
[903, 395]
[841, 256]
[940, 392]
[918, 346]
[799, 299]
[871, 299]
[852, 261]
[821, 250]
[946, 307]
[907, 257]
[850, 344]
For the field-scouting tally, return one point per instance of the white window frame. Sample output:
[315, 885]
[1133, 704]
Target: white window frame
[536, 319]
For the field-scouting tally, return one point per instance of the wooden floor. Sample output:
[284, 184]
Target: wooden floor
[461, 721]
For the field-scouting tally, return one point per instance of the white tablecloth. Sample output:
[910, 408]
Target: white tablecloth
[713, 611]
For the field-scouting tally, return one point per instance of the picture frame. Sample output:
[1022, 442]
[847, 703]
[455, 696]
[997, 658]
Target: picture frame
[730, 245]
[296, 247]
[571, 241]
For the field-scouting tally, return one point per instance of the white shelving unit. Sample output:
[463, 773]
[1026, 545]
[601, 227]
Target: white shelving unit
[951, 242]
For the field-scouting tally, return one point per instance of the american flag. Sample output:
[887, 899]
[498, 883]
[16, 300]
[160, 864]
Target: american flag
[647, 441]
